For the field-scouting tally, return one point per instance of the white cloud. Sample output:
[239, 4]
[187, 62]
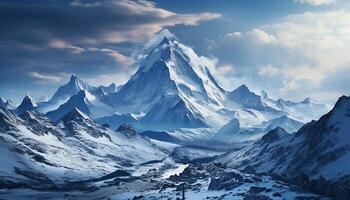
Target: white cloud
[79, 3]
[269, 70]
[41, 77]
[118, 57]
[316, 2]
[297, 53]
[235, 34]
[163, 18]
[60, 44]
[261, 36]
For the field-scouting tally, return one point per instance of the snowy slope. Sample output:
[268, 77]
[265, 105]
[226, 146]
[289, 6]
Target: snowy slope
[74, 85]
[319, 148]
[172, 87]
[288, 124]
[39, 154]
[84, 101]
[8, 104]
[303, 111]
[28, 103]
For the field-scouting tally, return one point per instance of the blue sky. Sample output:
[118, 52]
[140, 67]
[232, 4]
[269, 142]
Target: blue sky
[290, 48]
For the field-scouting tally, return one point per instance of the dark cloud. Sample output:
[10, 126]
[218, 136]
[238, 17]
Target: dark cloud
[43, 39]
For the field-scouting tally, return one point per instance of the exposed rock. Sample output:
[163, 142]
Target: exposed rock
[277, 194]
[255, 190]
[338, 191]
[226, 181]
[127, 130]
[318, 186]
[256, 197]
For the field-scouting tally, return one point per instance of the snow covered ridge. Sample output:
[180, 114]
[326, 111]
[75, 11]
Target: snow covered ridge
[38, 153]
[173, 88]
[318, 152]
[82, 158]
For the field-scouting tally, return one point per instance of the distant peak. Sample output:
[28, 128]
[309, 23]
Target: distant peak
[73, 78]
[308, 100]
[74, 114]
[342, 101]
[165, 41]
[112, 85]
[274, 135]
[28, 98]
[82, 93]
[162, 37]
[264, 94]
[2, 100]
[243, 87]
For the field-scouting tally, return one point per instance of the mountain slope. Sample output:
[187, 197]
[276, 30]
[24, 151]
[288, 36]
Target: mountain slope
[74, 85]
[6, 104]
[36, 153]
[84, 101]
[318, 148]
[288, 124]
[171, 85]
[28, 103]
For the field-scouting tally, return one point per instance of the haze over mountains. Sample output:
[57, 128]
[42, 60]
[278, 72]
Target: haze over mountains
[173, 88]
[182, 127]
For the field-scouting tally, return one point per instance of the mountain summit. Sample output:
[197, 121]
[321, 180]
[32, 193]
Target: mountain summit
[27, 104]
[172, 87]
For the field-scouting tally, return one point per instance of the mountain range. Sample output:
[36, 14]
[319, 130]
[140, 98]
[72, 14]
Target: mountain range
[172, 123]
[173, 88]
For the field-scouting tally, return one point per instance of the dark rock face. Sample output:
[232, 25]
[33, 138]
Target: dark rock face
[277, 194]
[256, 197]
[274, 135]
[226, 181]
[127, 130]
[338, 191]
[255, 190]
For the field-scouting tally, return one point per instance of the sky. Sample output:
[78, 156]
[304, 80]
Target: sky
[290, 48]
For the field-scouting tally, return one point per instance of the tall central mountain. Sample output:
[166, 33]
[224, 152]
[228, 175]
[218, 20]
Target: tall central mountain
[172, 88]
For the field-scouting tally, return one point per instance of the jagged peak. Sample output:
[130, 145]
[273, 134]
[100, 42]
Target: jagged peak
[73, 77]
[274, 135]
[77, 81]
[29, 99]
[163, 36]
[264, 94]
[112, 85]
[308, 100]
[74, 114]
[342, 101]
[242, 88]
[2, 100]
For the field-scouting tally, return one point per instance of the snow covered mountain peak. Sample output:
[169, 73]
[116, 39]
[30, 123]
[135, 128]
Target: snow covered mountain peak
[274, 135]
[74, 85]
[343, 101]
[74, 115]
[245, 97]
[308, 100]
[6, 103]
[173, 83]
[28, 103]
